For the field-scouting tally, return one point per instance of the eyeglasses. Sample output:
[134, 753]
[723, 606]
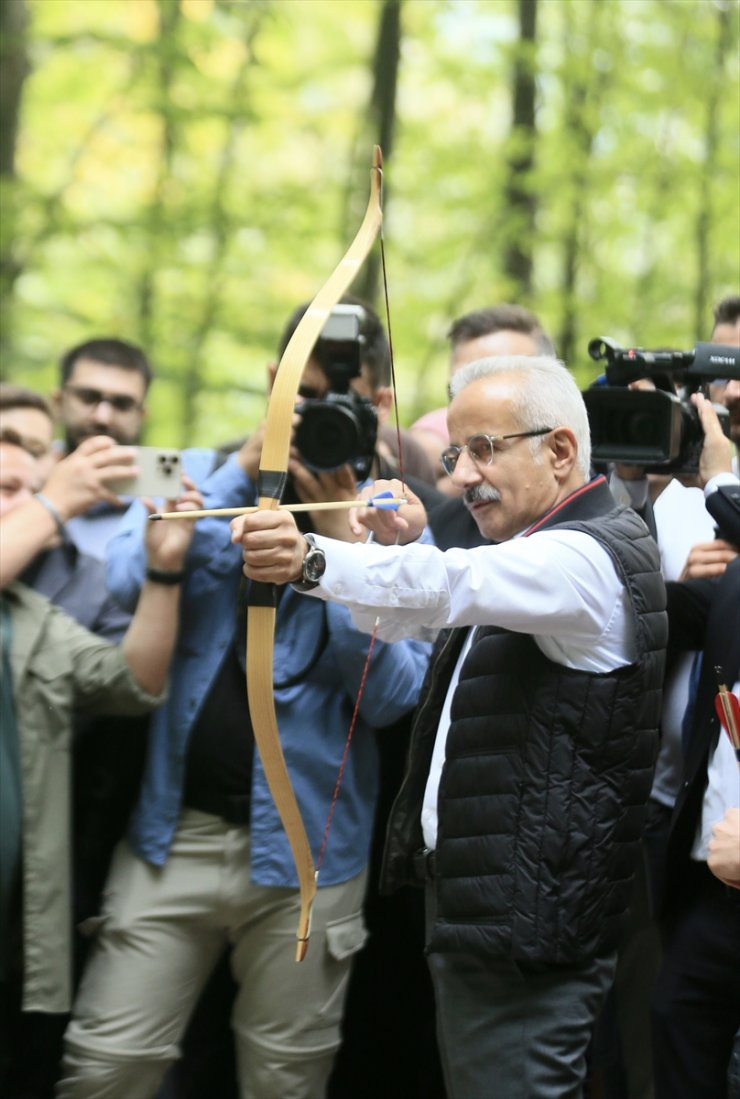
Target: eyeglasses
[121, 402]
[482, 448]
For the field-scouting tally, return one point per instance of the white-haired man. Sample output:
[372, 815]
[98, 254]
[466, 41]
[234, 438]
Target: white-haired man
[533, 748]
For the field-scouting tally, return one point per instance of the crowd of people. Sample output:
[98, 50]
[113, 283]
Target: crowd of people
[529, 878]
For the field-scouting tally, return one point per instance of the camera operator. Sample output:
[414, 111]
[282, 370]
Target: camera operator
[723, 391]
[335, 426]
[691, 545]
[363, 392]
[207, 854]
[362, 375]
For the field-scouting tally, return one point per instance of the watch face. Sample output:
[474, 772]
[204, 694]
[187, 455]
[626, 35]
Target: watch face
[314, 564]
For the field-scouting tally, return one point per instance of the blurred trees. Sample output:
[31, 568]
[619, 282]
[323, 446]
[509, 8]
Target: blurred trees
[520, 193]
[186, 171]
[13, 71]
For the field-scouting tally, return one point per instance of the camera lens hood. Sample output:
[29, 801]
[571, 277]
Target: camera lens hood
[328, 435]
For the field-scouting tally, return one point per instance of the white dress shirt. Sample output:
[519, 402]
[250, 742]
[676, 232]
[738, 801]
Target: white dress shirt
[682, 521]
[561, 587]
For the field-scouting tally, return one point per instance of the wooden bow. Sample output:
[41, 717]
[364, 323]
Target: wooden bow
[262, 601]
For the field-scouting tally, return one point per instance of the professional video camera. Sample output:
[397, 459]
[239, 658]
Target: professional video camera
[656, 428]
[340, 428]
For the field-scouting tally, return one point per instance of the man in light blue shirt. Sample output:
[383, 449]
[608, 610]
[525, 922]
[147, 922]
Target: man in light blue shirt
[207, 863]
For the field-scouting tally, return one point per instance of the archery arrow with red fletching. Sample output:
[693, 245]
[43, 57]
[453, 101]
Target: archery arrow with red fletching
[727, 706]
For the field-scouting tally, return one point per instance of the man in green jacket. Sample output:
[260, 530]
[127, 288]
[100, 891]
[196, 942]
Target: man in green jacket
[50, 668]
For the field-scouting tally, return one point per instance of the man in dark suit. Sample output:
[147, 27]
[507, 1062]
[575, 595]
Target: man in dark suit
[696, 1008]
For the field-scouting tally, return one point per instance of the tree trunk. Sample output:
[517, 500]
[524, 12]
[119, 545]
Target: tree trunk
[222, 233]
[716, 79]
[520, 197]
[14, 68]
[383, 122]
[169, 18]
[583, 92]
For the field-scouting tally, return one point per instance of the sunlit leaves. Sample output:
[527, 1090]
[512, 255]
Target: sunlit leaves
[184, 171]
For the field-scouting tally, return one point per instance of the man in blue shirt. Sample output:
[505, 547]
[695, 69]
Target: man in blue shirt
[208, 863]
[104, 384]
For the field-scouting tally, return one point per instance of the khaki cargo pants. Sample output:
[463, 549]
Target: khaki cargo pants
[163, 932]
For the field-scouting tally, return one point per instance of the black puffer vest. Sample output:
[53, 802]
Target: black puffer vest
[547, 772]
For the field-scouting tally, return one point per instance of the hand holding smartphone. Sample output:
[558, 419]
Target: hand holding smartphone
[160, 470]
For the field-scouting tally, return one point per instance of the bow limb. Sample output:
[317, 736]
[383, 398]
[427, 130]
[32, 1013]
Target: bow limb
[262, 597]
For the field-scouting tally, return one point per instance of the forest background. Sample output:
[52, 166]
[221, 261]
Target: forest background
[182, 173]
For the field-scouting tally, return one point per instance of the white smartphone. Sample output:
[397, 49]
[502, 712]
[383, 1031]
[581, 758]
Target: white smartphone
[159, 474]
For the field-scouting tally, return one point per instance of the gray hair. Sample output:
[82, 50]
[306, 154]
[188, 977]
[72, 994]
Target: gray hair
[548, 396]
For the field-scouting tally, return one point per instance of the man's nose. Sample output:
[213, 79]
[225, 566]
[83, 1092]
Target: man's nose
[104, 412]
[466, 471]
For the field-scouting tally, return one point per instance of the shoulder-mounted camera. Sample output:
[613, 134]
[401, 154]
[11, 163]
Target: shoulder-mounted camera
[656, 428]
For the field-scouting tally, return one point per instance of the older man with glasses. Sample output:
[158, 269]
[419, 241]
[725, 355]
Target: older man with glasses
[533, 748]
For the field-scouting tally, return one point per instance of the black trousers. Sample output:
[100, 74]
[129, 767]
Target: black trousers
[696, 1006]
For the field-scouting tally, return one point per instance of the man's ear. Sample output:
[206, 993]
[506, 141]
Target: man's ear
[564, 450]
[55, 400]
[383, 401]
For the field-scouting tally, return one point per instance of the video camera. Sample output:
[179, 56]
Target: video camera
[340, 428]
[656, 428]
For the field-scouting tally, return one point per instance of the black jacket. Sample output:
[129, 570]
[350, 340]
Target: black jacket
[703, 614]
[724, 507]
[547, 774]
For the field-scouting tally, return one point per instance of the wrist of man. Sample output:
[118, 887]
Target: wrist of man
[313, 566]
[53, 510]
[166, 576]
[719, 479]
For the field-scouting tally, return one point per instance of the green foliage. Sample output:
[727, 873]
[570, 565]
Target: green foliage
[186, 174]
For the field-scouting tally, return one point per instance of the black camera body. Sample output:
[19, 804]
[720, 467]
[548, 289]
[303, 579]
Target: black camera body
[654, 428]
[342, 427]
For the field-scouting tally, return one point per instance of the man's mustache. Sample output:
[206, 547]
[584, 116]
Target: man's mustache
[482, 494]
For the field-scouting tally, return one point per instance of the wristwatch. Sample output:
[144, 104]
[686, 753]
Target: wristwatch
[314, 566]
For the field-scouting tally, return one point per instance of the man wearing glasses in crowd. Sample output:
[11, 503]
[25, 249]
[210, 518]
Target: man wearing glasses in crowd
[103, 388]
[104, 383]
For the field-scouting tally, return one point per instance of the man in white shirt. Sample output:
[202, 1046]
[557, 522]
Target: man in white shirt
[533, 749]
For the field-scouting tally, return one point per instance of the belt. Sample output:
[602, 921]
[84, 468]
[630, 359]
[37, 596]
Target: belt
[233, 808]
[424, 865]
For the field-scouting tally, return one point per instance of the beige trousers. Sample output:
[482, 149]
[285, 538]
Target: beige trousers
[162, 934]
